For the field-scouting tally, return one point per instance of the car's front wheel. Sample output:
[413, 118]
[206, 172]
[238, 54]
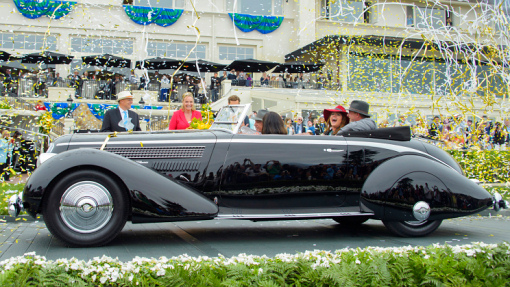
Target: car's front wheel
[86, 208]
[412, 228]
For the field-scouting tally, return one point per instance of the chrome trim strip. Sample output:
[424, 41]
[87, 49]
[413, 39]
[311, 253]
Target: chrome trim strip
[137, 143]
[289, 216]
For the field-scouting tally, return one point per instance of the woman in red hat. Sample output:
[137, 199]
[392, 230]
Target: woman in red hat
[335, 120]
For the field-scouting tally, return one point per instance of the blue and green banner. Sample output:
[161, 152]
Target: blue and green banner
[60, 110]
[263, 24]
[36, 8]
[146, 15]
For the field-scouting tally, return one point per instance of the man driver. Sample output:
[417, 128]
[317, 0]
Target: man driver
[121, 119]
[359, 118]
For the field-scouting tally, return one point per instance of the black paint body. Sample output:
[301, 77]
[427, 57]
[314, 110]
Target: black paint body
[189, 175]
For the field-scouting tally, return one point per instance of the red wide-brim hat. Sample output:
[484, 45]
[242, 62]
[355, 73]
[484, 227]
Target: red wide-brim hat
[338, 109]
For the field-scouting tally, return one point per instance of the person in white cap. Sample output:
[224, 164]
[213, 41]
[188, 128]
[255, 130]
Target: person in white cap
[121, 119]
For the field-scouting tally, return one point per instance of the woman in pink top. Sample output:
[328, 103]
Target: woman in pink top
[182, 118]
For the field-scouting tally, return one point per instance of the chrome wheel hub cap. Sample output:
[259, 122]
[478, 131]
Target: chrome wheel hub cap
[421, 211]
[86, 207]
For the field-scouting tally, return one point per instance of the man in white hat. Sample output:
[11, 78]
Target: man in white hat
[121, 119]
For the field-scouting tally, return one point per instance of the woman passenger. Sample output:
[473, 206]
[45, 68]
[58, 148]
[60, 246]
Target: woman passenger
[273, 124]
[335, 120]
[183, 117]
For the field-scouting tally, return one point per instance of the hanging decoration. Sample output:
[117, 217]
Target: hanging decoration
[98, 110]
[146, 15]
[263, 24]
[59, 110]
[36, 8]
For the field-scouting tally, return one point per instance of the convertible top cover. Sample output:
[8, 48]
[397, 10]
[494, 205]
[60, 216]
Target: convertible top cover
[396, 134]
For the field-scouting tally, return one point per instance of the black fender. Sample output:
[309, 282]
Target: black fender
[153, 197]
[393, 188]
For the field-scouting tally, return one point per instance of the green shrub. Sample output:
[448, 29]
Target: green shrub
[438, 265]
[484, 165]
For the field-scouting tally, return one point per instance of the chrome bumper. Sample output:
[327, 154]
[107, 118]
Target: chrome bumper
[498, 202]
[15, 205]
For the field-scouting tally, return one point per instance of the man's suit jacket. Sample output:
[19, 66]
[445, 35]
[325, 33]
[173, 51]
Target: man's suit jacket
[303, 128]
[112, 118]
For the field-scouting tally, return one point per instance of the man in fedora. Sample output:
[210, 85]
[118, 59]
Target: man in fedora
[359, 119]
[121, 119]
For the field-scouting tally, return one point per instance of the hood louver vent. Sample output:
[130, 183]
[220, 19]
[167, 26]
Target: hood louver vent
[158, 152]
[184, 166]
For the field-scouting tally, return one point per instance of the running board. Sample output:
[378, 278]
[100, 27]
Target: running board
[291, 216]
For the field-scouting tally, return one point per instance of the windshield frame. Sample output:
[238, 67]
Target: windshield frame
[240, 119]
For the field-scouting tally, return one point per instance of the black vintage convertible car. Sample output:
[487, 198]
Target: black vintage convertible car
[88, 185]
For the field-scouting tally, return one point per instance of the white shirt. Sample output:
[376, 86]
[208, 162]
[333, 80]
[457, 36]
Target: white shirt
[122, 113]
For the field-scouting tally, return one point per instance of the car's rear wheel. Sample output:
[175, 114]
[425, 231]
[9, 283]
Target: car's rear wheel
[412, 228]
[86, 208]
[351, 220]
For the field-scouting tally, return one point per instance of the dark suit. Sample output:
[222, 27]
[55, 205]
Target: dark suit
[112, 118]
[303, 128]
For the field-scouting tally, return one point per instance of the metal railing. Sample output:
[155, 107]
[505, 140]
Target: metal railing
[97, 89]
[58, 129]
[159, 125]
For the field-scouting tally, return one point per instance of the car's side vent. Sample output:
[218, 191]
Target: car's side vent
[186, 166]
[158, 152]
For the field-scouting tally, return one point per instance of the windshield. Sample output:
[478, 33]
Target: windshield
[230, 118]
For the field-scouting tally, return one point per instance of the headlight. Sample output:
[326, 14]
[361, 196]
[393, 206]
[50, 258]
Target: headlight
[44, 157]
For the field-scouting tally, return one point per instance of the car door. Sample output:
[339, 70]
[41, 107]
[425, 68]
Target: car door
[284, 174]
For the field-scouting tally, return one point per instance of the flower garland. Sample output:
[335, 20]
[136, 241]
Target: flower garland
[263, 24]
[33, 9]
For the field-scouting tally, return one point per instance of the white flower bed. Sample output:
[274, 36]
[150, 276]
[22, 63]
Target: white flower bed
[107, 269]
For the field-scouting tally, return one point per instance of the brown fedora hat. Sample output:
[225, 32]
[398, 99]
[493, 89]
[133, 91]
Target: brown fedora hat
[360, 107]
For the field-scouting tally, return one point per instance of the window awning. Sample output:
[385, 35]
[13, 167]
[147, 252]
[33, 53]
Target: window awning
[377, 41]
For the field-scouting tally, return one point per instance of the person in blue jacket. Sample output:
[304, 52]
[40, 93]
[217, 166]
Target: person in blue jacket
[6, 146]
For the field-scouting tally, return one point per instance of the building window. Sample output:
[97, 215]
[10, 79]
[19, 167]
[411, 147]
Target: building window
[430, 18]
[175, 50]
[102, 45]
[28, 42]
[410, 16]
[345, 10]
[236, 53]
[170, 4]
[260, 7]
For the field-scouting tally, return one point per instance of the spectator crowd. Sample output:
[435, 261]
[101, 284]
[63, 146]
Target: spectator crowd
[99, 85]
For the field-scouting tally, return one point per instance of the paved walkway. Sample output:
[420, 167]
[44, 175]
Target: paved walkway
[232, 237]
[19, 178]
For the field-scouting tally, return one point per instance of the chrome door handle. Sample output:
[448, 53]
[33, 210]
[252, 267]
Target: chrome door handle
[333, 150]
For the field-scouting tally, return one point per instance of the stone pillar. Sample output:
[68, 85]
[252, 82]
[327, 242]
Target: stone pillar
[306, 22]
[226, 85]
[68, 125]
[143, 125]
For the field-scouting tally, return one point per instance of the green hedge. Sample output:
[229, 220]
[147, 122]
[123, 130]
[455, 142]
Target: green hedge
[484, 165]
[469, 265]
